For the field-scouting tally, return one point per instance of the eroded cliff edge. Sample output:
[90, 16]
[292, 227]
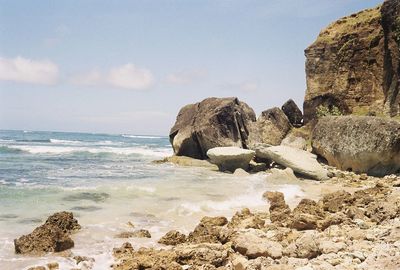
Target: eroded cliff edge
[353, 66]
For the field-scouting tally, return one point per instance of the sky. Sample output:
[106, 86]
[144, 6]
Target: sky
[129, 66]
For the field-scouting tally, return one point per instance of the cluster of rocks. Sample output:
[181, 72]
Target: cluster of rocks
[363, 144]
[342, 230]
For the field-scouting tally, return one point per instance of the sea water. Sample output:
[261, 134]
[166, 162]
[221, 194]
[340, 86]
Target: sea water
[109, 182]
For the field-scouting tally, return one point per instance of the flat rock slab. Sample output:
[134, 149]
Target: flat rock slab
[231, 158]
[299, 161]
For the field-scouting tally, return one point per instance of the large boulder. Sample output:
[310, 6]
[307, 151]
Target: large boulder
[213, 122]
[293, 113]
[271, 127]
[353, 66]
[301, 162]
[231, 158]
[52, 236]
[359, 143]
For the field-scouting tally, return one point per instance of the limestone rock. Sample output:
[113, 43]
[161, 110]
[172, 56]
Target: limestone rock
[295, 142]
[52, 236]
[300, 161]
[208, 230]
[281, 175]
[353, 65]
[359, 143]
[188, 162]
[279, 210]
[271, 127]
[252, 244]
[230, 158]
[172, 238]
[293, 113]
[213, 122]
[135, 234]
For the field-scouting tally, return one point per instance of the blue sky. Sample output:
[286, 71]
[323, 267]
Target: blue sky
[129, 66]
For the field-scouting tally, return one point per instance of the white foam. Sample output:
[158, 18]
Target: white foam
[40, 149]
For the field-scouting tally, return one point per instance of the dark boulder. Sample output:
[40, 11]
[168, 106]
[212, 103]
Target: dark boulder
[213, 122]
[293, 113]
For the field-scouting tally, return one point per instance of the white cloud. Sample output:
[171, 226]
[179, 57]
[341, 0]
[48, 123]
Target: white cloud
[127, 76]
[247, 86]
[25, 70]
[130, 77]
[185, 77]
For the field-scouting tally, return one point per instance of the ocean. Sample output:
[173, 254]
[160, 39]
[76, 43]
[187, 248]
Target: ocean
[109, 182]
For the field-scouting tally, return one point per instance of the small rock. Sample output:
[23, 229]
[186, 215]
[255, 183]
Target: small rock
[172, 238]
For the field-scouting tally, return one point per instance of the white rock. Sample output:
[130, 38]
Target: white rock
[282, 175]
[300, 161]
[230, 158]
[240, 172]
[253, 245]
[295, 142]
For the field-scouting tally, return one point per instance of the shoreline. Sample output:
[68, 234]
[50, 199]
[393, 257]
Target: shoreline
[311, 189]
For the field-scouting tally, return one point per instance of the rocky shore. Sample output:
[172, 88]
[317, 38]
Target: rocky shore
[341, 141]
[342, 230]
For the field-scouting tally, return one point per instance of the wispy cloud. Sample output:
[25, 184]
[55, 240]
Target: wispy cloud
[126, 76]
[186, 77]
[25, 70]
[247, 86]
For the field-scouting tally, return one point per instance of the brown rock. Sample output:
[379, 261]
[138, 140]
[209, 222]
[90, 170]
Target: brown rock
[353, 65]
[336, 201]
[245, 219]
[279, 210]
[52, 236]
[271, 127]
[172, 238]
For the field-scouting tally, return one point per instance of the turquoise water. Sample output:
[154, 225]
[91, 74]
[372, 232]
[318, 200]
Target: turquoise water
[108, 181]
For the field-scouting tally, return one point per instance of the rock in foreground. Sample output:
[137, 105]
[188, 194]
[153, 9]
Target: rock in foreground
[52, 236]
[299, 161]
[230, 158]
[362, 144]
[213, 122]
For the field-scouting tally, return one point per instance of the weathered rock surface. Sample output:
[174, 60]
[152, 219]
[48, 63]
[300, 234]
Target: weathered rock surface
[253, 244]
[293, 113]
[213, 122]
[295, 142]
[172, 238]
[230, 158]
[135, 234]
[354, 64]
[299, 161]
[324, 234]
[52, 236]
[271, 127]
[359, 143]
[188, 162]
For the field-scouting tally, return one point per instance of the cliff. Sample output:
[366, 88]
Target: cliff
[353, 66]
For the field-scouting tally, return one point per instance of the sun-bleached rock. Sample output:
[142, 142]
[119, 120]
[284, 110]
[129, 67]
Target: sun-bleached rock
[299, 161]
[230, 158]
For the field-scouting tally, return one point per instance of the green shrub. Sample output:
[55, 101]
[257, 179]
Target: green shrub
[323, 110]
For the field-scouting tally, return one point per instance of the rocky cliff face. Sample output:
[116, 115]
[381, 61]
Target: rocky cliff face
[354, 64]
